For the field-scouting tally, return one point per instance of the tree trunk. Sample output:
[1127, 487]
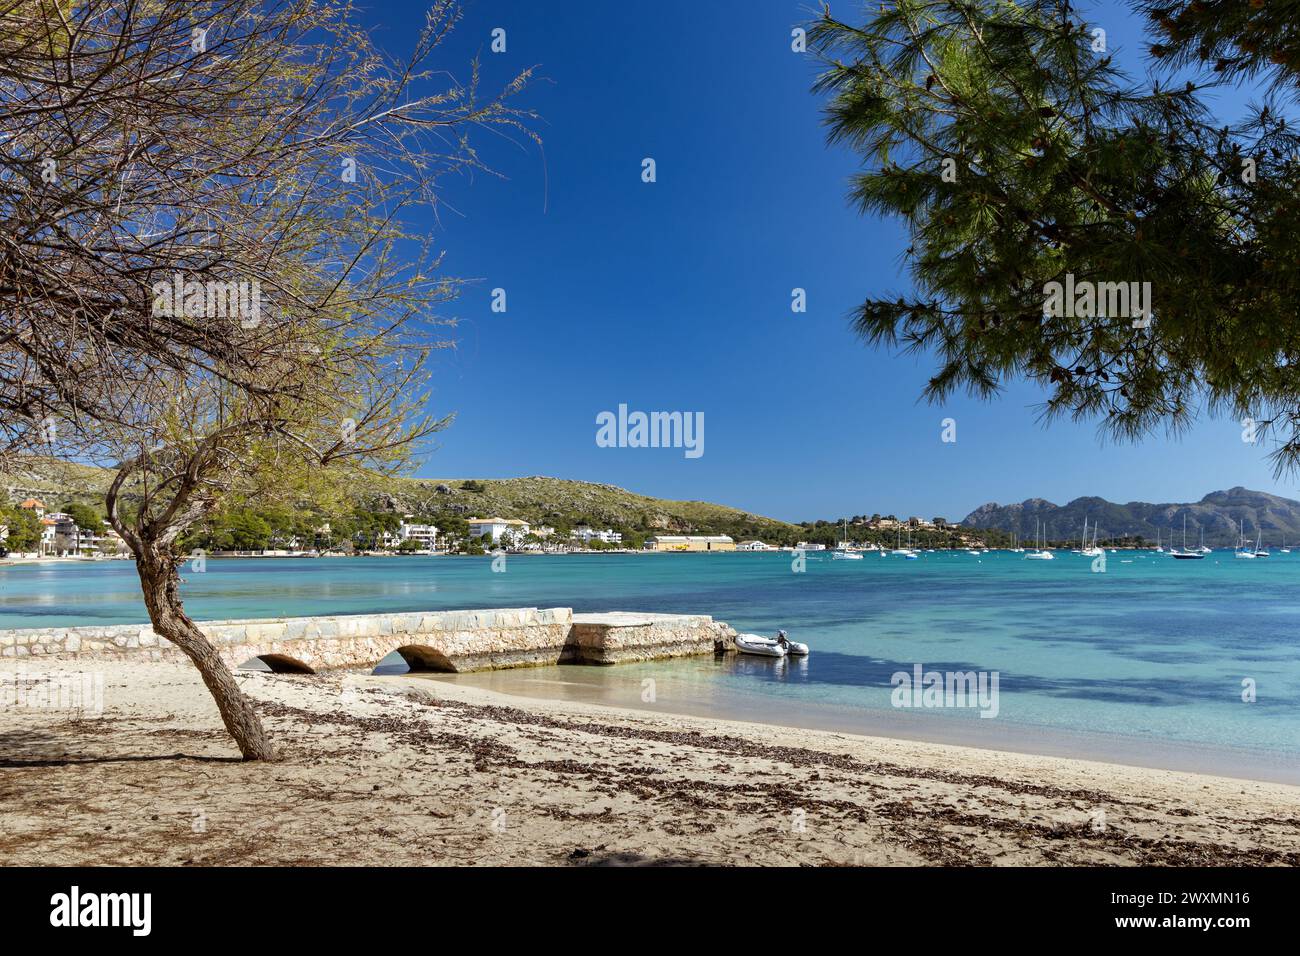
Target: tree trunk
[160, 580]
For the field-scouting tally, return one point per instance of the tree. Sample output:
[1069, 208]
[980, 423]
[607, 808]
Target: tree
[453, 527]
[1019, 156]
[1233, 39]
[86, 518]
[24, 529]
[248, 531]
[205, 276]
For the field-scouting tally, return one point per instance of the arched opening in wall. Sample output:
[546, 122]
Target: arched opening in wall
[420, 657]
[276, 664]
[391, 666]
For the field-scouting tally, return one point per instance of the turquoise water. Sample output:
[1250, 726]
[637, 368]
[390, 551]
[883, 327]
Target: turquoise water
[1153, 651]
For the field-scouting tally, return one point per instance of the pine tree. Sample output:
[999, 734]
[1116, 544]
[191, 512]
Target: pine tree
[1018, 154]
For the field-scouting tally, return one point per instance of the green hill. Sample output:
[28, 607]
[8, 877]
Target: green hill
[564, 503]
[553, 501]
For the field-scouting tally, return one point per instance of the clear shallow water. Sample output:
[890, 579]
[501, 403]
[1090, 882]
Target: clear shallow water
[1149, 656]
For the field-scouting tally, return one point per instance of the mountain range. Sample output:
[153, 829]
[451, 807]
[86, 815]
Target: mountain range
[1220, 514]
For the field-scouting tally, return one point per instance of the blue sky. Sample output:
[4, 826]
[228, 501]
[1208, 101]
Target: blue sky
[676, 295]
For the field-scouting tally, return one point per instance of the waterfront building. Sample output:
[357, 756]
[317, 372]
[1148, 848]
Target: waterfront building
[690, 542]
[496, 527]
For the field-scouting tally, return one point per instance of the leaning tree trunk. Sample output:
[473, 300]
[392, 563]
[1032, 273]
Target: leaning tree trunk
[160, 580]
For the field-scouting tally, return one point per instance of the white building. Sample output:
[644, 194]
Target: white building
[86, 541]
[690, 542]
[425, 535]
[754, 546]
[496, 527]
[587, 535]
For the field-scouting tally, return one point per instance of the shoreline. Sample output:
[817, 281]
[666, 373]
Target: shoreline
[583, 685]
[385, 771]
[532, 659]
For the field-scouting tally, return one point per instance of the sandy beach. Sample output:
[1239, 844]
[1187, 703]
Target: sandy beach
[402, 771]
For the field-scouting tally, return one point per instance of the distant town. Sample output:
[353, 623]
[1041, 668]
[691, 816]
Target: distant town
[44, 521]
[31, 529]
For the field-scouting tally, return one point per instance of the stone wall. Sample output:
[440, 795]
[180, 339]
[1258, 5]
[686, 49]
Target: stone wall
[441, 640]
[616, 637]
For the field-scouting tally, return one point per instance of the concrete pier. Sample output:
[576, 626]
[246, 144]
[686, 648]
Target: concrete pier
[454, 641]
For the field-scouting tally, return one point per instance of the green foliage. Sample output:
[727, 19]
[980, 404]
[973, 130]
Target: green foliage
[24, 528]
[831, 533]
[1017, 153]
[1230, 37]
[451, 525]
[85, 517]
[239, 529]
[355, 509]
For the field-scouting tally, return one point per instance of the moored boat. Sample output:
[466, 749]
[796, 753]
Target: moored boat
[769, 646]
[758, 646]
[1185, 554]
[1042, 554]
[1260, 550]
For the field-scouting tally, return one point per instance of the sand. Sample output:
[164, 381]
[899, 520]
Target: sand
[401, 771]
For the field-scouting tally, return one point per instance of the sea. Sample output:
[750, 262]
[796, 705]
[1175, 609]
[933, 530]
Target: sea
[1140, 659]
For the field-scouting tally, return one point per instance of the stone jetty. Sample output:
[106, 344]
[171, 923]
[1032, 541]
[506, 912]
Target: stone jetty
[452, 641]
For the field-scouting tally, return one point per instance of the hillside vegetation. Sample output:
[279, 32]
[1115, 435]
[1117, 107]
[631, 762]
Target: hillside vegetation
[558, 502]
[564, 504]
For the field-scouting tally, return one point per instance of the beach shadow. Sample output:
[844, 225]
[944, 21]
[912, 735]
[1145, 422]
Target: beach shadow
[616, 858]
[9, 763]
[38, 749]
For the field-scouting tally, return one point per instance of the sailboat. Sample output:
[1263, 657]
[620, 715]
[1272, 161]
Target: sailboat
[842, 553]
[1203, 549]
[1185, 555]
[1284, 549]
[1040, 554]
[1015, 544]
[1260, 552]
[1086, 550]
[1242, 550]
[900, 550]
[1159, 548]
